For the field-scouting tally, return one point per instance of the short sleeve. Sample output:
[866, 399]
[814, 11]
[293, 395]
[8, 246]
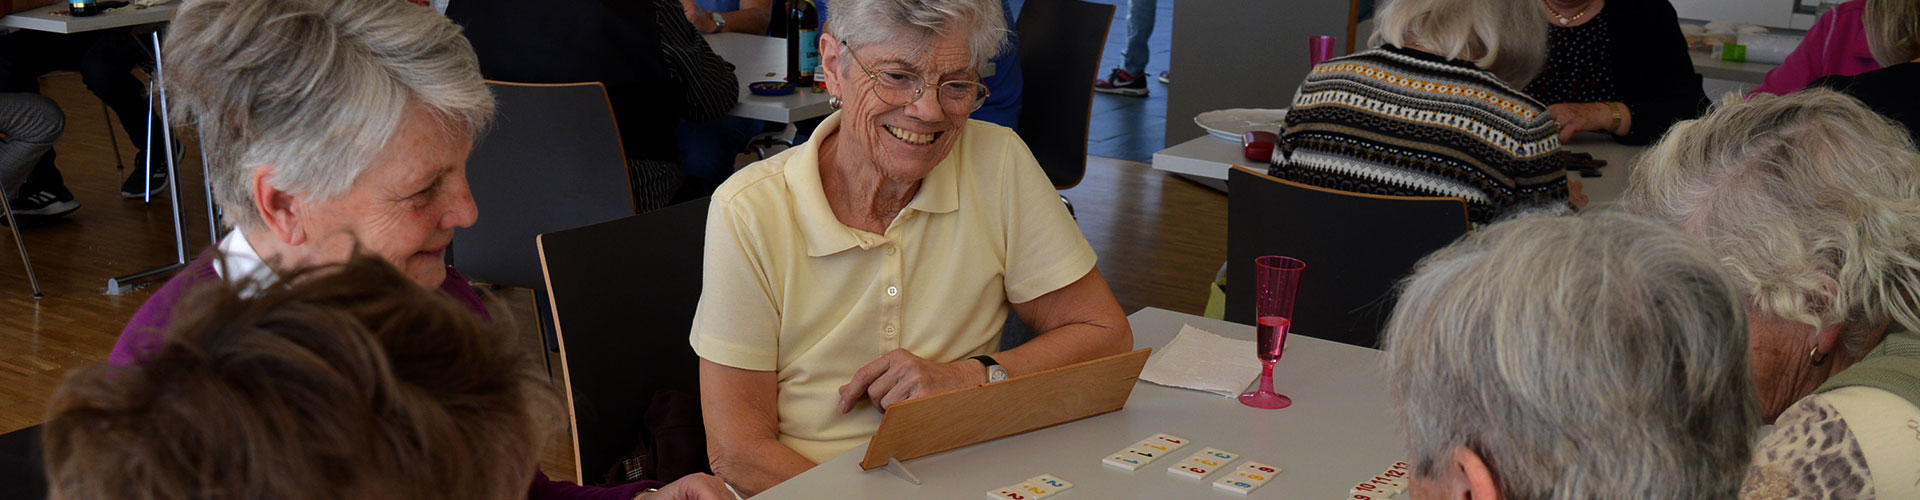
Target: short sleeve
[737, 323]
[1812, 453]
[1045, 250]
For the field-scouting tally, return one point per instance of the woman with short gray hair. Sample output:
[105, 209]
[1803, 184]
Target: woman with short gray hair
[878, 261]
[1434, 110]
[334, 128]
[1812, 201]
[1597, 356]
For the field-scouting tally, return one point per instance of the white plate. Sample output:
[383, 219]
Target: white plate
[1230, 124]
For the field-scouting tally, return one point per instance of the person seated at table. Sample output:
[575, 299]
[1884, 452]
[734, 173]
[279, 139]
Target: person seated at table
[877, 262]
[1893, 34]
[1812, 202]
[657, 70]
[1835, 45]
[313, 154]
[1618, 67]
[1622, 376]
[345, 381]
[105, 59]
[752, 17]
[1392, 120]
[29, 125]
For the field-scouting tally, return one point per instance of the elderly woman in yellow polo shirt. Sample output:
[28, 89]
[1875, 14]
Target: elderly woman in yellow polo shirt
[877, 262]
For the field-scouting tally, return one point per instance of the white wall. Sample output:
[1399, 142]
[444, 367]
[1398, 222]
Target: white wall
[1770, 13]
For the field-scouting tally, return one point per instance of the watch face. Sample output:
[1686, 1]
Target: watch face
[996, 374]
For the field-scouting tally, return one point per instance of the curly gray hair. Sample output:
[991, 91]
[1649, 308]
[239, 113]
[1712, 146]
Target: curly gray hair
[1597, 356]
[1811, 200]
[862, 22]
[315, 88]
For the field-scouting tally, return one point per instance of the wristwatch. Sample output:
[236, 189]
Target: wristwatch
[995, 372]
[719, 23]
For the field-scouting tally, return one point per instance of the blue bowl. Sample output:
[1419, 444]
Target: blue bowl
[771, 87]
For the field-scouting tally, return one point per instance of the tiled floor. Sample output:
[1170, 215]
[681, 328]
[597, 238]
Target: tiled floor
[1132, 128]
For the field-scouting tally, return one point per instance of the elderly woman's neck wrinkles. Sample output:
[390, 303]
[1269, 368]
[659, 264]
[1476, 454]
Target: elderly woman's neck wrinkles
[859, 191]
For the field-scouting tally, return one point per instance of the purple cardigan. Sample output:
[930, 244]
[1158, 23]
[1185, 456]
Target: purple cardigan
[1837, 45]
[143, 336]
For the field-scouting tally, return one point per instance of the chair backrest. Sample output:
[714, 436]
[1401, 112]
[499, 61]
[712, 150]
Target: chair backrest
[552, 160]
[1357, 248]
[1060, 43]
[624, 293]
[22, 473]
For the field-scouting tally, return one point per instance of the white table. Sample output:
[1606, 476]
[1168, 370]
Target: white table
[1339, 431]
[761, 58]
[1744, 72]
[56, 19]
[1207, 159]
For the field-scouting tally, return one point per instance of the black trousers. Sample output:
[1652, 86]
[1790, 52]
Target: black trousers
[105, 60]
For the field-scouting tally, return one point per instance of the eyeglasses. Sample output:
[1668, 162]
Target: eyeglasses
[901, 87]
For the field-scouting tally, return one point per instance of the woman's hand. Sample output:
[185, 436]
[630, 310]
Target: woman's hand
[702, 21]
[1577, 117]
[693, 487]
[900, 375]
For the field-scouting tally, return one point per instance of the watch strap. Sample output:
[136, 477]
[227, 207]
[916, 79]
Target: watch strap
[990, 364]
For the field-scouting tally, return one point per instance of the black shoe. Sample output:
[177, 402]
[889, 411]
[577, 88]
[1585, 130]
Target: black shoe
[136, 185]
[1119, 82]
[44, 203]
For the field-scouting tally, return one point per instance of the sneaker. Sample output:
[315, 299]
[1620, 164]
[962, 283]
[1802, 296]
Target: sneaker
[136, 185]
[1163, 78]
[1121, 83]
[45, 203]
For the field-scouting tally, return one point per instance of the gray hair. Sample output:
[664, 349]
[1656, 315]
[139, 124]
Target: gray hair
[1893, 30]
[1811, 201]
[862, 22]
[1597, 356]
[315, 88]
[1505, 37]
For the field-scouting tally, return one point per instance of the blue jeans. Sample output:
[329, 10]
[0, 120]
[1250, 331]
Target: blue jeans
[1140, 15]
[707, 148]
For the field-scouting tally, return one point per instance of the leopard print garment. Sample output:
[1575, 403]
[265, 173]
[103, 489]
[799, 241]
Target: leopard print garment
[1811, 454]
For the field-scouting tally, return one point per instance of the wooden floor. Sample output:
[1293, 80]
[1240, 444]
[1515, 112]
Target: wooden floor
[1160, 240]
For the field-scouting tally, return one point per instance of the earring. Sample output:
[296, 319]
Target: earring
[833, 102]
[1816, 357]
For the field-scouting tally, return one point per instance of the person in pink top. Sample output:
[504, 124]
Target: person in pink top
[1837, 45]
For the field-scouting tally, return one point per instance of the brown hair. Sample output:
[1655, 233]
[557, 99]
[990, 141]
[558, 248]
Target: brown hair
[346, 381]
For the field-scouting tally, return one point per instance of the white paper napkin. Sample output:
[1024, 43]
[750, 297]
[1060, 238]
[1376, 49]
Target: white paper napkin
[1197, 359]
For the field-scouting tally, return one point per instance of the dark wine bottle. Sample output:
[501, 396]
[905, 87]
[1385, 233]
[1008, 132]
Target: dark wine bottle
[84, 8]
[806, 21]
[793, 47]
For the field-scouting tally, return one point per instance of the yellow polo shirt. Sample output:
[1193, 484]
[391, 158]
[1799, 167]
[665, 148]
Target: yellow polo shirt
[788, 288]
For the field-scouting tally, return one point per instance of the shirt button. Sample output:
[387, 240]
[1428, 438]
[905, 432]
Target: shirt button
[893, 291]
[889, 250]
[889, 331]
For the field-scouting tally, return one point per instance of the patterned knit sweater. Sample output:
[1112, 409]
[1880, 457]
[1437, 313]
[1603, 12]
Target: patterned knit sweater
[1401, 122]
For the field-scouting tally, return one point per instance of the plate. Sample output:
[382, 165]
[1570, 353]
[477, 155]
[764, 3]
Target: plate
[1229, 124]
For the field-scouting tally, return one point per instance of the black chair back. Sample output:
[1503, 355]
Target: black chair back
[22, 475]
[624, 294]
[1357, 248]
[551, 161]
[1060, 43]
